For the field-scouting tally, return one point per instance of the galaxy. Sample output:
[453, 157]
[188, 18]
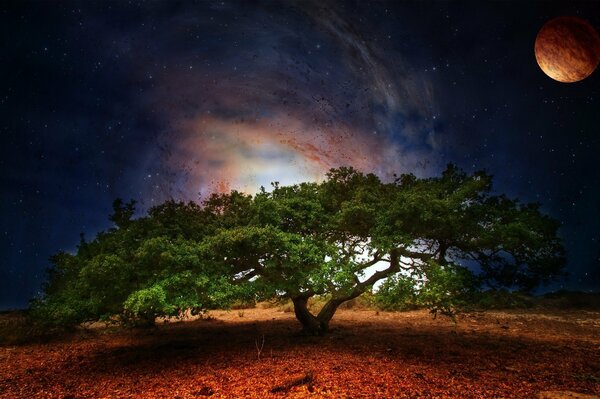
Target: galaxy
[177, 100]
[271, 107]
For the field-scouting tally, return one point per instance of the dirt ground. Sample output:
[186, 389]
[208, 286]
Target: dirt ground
[368, 354]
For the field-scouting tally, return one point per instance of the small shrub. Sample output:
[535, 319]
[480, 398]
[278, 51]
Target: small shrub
[19, 328]
[447, 289]
[396, 293]
[268, 304]
[243, 304]
[500, 299]
[316, 302]
[571, 300]
[286, 306]
[443, 289]
[365, 301]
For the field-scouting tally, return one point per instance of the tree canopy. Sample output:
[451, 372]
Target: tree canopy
[336, 238]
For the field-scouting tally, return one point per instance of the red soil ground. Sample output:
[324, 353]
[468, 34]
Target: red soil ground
[366, 355]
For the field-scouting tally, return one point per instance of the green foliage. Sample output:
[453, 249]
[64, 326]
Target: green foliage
[446, 289]
[122, 213]
[147, 303]
[397, 292]
[442, 289]
[306, 240]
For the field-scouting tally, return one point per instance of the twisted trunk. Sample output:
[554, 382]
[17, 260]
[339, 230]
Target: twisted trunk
[310, 323]
[327, 312]
[319, 324]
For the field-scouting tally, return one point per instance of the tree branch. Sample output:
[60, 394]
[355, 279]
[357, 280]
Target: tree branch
[416, 255]
[378, 275]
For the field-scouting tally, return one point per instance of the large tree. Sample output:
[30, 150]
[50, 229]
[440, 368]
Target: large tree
[335, 239]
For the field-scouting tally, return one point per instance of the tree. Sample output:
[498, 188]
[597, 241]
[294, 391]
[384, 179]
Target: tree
[442, 235]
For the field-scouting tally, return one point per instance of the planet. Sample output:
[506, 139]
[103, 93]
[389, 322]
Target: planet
[567, 49]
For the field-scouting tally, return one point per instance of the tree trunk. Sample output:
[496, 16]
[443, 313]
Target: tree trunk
[326, 314]
[442, 253]
[318, 325]
[310, 323]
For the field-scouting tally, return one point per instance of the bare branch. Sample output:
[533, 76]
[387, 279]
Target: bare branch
[378, 275]
[259, 349]
[416, 255]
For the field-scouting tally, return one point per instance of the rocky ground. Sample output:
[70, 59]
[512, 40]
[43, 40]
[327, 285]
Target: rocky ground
[368, 354]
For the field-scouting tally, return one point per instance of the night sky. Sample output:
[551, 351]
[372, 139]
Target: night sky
[177, 100]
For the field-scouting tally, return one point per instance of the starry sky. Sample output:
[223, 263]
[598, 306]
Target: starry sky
[159, 100]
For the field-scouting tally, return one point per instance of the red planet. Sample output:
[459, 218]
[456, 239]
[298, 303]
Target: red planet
[567, 49]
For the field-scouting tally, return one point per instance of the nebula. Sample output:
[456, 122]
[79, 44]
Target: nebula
[273, 111]
[219, 155]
